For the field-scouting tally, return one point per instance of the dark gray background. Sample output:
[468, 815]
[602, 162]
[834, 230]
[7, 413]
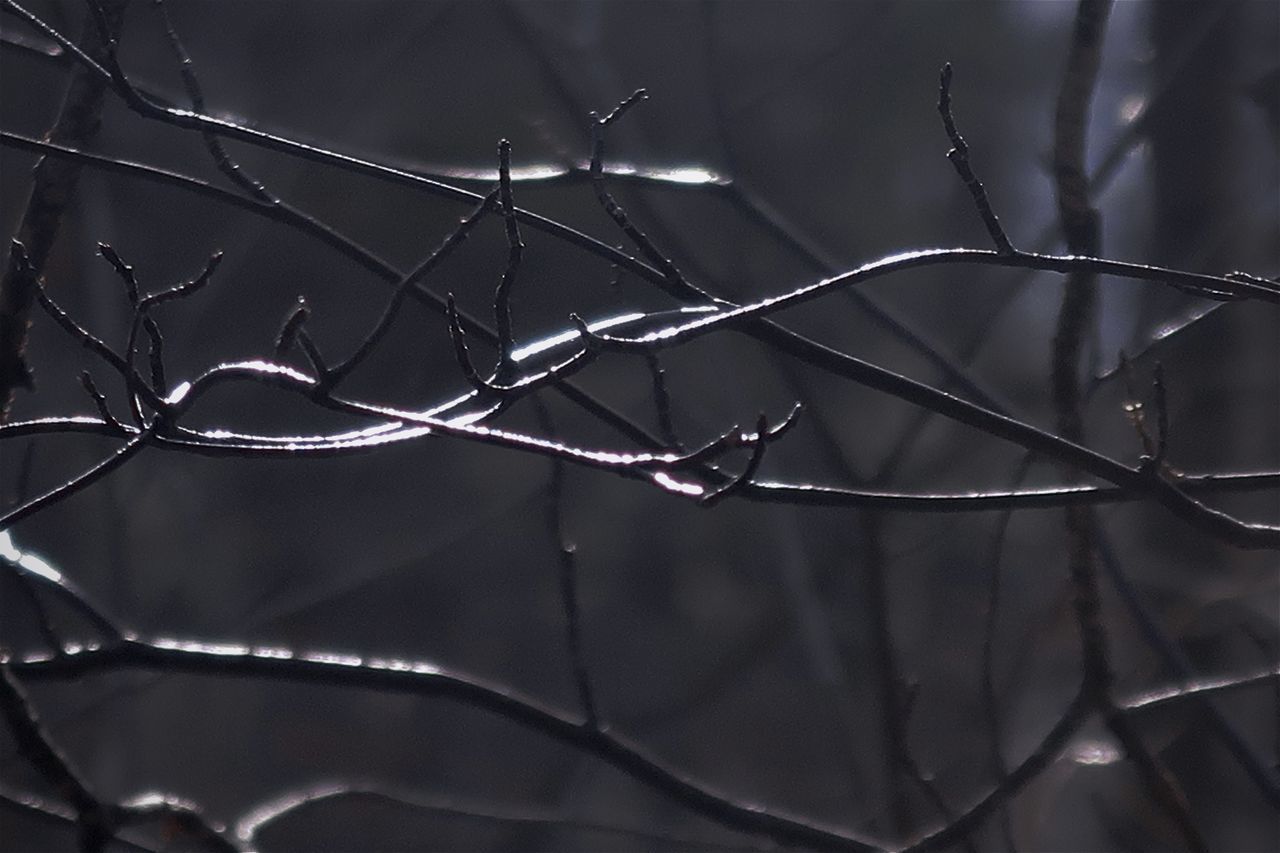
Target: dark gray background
[737, 642]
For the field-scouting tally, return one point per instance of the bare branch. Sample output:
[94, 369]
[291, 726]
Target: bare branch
[54, 185]
[80, 482]
[1040, 758]
[959, 157]
[35, 745]
[515, 250]
[426, 679]
[289, 803]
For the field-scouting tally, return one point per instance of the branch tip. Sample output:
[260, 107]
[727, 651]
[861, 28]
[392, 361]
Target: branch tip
[758, 444]
[458, 337]
[124, 270]
[1162, 416]
[787, 423]
[621, 109]
[959, 157]
[293, 323]
[590, 339]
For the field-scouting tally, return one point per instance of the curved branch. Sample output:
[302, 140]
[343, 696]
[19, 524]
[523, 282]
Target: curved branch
[824, 357]
[291, 802]
[425, 679]
[227, 443]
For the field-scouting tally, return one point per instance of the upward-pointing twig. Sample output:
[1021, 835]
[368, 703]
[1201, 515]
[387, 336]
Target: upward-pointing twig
[959, 157]
[515, 251]
[674, 278]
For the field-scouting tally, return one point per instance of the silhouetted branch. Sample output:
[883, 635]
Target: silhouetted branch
[959, 157]
[195, 93]
[1081, 225]
[924, 395]
[1040, 758]
[425, 679]
[566, 554]
[1265, 778]
[86, 339]
[100, 402]
[1196, 689]
[662, 401]
[404, 287]
[224, 443]
[673, 278]
[81, 481]
[990, 629]
[36, 747]
[515, 251]
[97, 820]
[291, 803]
[37, 571]
[53, 186]
[148, 108]
[551, 361]
[61, 816]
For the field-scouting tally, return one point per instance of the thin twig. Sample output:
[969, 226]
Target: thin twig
[287, 215]
[990, 629]
[135, 383]
[715, 496]
[392, 430]
[1162, 419]
[99, 401]
[191, 82]
[405, 285]
[293, 322]
[1032, 766]
[566, 553]
[98, 820]
[44, 624]
[148, 108]
[662, 401]
[959, 157]
[515, 250]
[673, 278]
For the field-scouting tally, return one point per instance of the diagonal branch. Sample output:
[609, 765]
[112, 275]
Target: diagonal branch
[53, 186]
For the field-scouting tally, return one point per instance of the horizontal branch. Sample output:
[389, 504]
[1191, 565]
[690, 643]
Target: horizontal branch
[226, 443]
[34, 568]
[832, 360]
[291, 802]
[1198, 688]
[1209, 286]
[426, 679]
[662, 469]
[810, 352]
